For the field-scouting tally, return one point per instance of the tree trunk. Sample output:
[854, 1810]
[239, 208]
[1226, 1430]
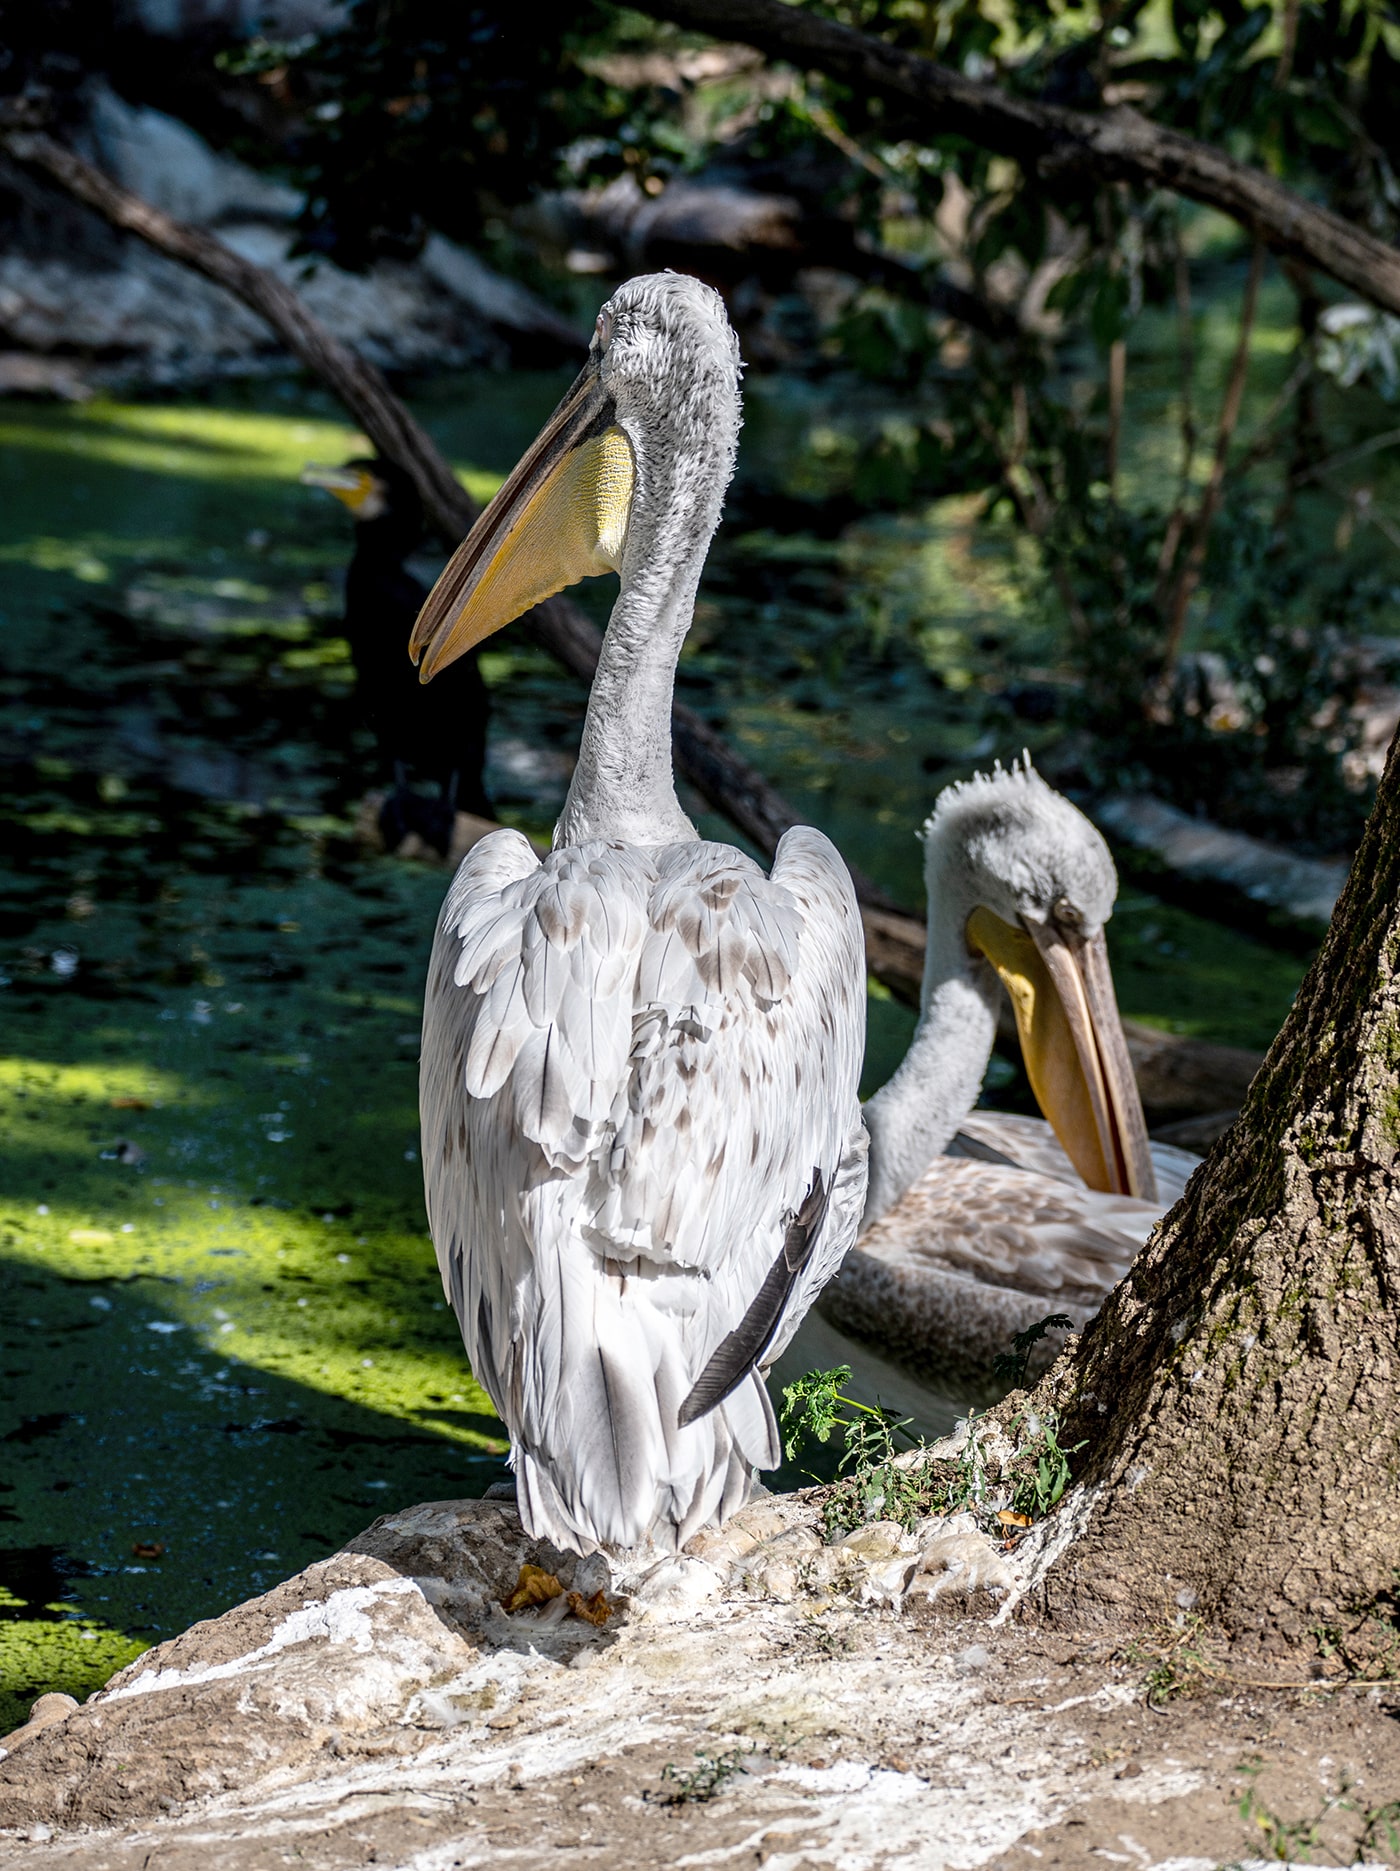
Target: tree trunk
[1239, 1394]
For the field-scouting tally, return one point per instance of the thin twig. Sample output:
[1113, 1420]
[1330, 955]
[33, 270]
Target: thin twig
[1190, 575]
[1186, 374]
[1117, 383]
[1031, 498]
[1263, 439]
[1283, 71]
[1387, 439]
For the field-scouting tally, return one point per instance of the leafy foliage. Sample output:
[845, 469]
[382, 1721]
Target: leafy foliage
[698, 1785]
[1011, 1366]
[870, 1481]
[411, 117]
[1293, 1841]
[417, 116]
[812, 1406]
[876, 1479]
[1044, 1470]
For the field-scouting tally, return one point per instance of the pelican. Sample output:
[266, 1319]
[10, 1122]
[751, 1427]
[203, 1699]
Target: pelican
[978, 1224]
[642, 1144]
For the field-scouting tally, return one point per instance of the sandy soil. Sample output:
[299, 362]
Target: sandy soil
[381, 1709]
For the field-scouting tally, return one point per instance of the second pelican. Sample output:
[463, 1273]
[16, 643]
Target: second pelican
[979, 1223]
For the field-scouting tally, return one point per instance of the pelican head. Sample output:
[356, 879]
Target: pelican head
[1030, 884]
[628, 475]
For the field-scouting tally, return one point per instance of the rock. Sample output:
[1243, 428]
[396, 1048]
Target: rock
[69, 283]
[174, 169]
[22, 374]
[675, 1587]
[49, 1709]
[397, 1647]
[503, 302]
[879, 1540]
[197, 19]
[381, 1707]
[963, 1563]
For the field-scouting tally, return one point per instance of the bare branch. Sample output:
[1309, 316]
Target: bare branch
[726, 780]
[1118, 145]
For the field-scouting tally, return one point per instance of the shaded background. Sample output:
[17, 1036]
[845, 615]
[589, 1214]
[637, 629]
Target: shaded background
[224, 1340]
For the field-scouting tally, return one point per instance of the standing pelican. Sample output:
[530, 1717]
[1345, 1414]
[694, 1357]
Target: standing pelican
[641, 1136]
[956, 1255]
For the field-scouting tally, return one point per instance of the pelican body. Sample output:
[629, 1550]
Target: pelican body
[978, 1224]
[642, 1144]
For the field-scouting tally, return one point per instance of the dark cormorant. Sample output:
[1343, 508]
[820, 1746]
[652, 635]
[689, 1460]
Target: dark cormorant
[437, 730]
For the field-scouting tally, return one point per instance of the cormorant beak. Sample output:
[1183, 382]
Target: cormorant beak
[562, 515]
[1072, 1040]
[352, 486]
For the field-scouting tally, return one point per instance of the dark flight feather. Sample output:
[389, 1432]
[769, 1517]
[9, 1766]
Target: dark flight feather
[740, 1350]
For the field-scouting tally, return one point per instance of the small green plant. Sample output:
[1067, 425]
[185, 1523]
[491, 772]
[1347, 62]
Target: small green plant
[1380, 1829]
[812, 1406]
[1174, 1657]
[1293, 1841]
[870, 1481]
[695, 1786]
[1365, 1640]
[1040, 1487]
[1009, 1367]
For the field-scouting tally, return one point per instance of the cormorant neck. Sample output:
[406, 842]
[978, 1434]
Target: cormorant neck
[913, 1118]
[388, 539]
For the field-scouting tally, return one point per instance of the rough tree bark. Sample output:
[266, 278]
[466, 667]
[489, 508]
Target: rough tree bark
[1118, 145]
[1239, 1394]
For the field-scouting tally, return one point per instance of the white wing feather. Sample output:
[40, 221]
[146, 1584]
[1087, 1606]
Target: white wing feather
[634, 1064]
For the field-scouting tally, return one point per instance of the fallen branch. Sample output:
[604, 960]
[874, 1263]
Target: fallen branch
[725, 778]
[1117, 145]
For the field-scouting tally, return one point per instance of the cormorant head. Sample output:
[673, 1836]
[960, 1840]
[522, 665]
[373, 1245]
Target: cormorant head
[372, 488]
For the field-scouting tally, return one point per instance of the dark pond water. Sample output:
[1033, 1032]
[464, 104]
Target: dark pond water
[224, 1343]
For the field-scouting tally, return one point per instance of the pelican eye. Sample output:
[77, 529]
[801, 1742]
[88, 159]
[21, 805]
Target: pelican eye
[604, 327]
[1067, 913]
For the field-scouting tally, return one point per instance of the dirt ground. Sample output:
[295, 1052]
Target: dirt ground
[381, 1709]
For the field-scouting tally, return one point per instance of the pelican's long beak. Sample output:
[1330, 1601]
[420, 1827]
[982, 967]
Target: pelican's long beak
[1072, 1040]
[561, 516]
[353, 486]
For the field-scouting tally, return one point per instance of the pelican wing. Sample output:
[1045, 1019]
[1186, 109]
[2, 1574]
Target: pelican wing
[1015, 1228]
[1029, 1143]
[975, 1251]
[637, 1066]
